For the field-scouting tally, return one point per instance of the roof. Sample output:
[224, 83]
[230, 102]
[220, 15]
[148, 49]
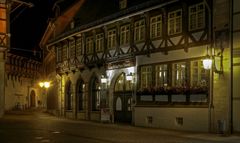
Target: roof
[95, 12]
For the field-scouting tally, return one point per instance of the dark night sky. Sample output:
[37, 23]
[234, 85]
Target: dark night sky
[28, 24]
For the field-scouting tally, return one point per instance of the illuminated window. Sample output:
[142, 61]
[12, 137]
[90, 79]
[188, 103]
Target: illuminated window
[156, 26]
[124, 34]
[99, 42]
[199, 76]
[161, 75]
[119, 83]
[89, 45]
[175, 22]
[179, 74]
[139, 30]
[197, 17]
[146, 77]
[111, 43]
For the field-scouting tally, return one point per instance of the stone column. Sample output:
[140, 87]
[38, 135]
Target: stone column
[2, 82]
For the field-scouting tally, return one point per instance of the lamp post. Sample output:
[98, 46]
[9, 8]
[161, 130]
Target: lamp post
[45, 85]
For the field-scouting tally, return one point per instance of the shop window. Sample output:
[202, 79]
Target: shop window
[199, 76]
[179, 74]
[146, 77]
[161, 75]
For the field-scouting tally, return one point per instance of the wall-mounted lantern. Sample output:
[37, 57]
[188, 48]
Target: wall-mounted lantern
[214, 61]
[103, 79]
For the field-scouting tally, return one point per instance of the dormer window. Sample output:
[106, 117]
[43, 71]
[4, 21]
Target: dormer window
[122, 4]
[72, 24]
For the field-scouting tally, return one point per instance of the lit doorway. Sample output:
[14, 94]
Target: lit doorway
[123, 100]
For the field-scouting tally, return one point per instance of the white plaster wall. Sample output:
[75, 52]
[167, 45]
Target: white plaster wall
[194, 119]
[16, 92]
[193, 52]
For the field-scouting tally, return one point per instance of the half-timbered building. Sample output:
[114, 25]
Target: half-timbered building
[140, 62]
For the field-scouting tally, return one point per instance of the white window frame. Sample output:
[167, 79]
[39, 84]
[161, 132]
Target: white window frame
[161, 75]
[199, 76]
[179, 76]
[124, 34]
[196, 17]
[89, 45]
[139, 30]
[175, 22]
[79, 49]
[146, 77]
[99, 42]
[111, 40]
[156, 26]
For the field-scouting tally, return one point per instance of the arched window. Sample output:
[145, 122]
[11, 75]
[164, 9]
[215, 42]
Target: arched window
[95, 94]
[79, 94]
[68, 96]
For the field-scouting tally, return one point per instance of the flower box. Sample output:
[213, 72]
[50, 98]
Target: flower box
[198, 98]
[163, 98]
[146, 98]
[178, 98]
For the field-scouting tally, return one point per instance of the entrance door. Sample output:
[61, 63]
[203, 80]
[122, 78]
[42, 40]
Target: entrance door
[32, 99]
[123, 100]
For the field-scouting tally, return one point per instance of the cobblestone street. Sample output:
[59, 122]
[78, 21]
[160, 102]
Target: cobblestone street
[36, 127]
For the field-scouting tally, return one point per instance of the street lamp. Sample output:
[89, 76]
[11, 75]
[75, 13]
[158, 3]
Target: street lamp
[45, 85]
